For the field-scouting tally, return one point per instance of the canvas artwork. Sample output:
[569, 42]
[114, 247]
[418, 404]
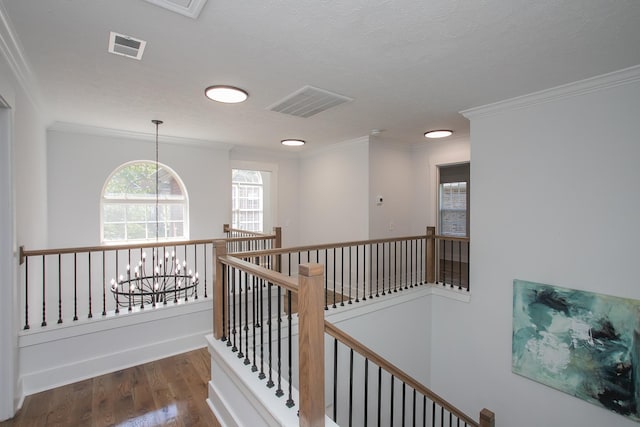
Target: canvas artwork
[582, 343]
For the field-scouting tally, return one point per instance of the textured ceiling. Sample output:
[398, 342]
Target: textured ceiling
[409, 65]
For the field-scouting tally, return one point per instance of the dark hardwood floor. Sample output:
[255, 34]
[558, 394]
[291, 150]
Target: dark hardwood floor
[169, 391]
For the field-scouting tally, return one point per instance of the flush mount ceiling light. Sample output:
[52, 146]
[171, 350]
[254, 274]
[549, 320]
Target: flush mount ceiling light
[226, 94]
[441, 133]
[293, 142]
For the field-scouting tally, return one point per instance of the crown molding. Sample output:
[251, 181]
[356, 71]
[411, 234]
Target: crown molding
[267, 153]
[581, 87]
[11, 49]
[126, 134]
[334, 147]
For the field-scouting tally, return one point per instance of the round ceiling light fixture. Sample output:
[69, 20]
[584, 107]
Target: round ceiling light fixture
[293, 142]
[440, 133]
[226, 94]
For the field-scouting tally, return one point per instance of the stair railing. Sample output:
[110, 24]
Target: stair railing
[384, 391]
[254, 316]
[245, 241]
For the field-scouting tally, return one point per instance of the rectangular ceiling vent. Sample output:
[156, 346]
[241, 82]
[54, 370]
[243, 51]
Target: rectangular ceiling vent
[120, 44]
[190, 8]
[308, 101]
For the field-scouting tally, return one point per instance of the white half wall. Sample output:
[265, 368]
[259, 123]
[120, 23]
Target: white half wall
[64, 354]
[554, 200]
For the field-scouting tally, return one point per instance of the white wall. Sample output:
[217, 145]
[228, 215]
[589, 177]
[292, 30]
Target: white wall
[81, 161]
[426, 159]
[30, 175]
[390, 176]
[23, 216]
[397, 327]
[554, 200]
[288, 176]
[334, 193]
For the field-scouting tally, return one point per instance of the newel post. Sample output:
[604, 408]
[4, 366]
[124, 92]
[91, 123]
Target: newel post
[430, 254]
[277, 243]
[219, 287]
[311, 344]
[226, 228]
[487, 418]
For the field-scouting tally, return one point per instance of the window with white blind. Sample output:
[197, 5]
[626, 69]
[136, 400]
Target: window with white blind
[453, 200]
[247, 196]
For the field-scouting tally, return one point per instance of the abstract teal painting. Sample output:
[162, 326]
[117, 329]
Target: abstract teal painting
[582, 343]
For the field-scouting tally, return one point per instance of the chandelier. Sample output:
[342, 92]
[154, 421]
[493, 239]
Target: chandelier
[167, 279]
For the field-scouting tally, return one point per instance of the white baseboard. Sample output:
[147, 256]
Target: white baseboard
[19, 397]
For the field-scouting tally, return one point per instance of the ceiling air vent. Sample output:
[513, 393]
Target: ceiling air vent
[126, 46]
[190, 8]
[308, 101]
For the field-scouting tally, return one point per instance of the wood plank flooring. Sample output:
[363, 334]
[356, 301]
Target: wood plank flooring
[167, 392]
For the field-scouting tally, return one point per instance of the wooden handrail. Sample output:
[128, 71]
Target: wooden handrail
[227, 229]
[365, 351]
[280, 251]
[249, 238]
[82, 249]
[38, 252]
[286, 282]
[451, 238]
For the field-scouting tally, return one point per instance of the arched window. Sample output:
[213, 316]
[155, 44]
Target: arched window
[247, 199]
[129, 204]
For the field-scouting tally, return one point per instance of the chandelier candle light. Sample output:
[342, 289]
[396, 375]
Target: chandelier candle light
[167, 278]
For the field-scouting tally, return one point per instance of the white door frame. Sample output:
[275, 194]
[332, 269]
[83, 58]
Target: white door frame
[8, 270]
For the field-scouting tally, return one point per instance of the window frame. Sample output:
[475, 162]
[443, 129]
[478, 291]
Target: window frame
[459, 178]
[269, 194]
[184, 201]
[236, 211]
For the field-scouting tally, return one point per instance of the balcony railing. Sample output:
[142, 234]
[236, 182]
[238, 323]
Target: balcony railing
[245, 241]
[66, 285]
[360, 270]
[255, 317]
[70, 284]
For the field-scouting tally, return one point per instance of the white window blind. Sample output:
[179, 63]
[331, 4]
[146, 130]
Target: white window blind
[454, 200]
